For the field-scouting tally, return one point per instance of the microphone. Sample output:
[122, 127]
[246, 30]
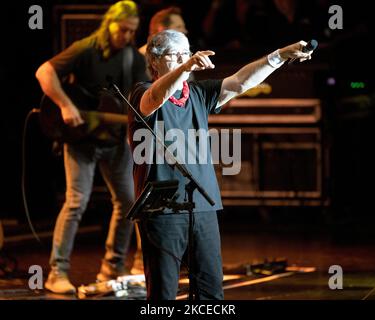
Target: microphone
[310, 46]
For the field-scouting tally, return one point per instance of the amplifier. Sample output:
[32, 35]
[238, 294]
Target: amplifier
[76, 22]
[284, 161]
[269, 111]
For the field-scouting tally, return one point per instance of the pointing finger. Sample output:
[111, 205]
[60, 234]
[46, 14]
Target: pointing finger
[208, 52]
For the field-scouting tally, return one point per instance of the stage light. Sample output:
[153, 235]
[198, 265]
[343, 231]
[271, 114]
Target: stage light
[357, 85]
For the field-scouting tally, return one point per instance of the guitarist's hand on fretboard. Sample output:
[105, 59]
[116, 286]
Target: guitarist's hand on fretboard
[71, 115]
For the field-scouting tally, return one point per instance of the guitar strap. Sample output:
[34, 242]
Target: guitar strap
[114, 134]
[127, 68]
[127, 78]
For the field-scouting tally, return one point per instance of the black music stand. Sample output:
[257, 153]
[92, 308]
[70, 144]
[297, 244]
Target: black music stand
[155, 197]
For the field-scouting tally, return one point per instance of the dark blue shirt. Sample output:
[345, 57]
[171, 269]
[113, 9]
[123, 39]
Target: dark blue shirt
[202, 101]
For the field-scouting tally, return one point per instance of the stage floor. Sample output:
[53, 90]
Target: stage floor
[288, 262]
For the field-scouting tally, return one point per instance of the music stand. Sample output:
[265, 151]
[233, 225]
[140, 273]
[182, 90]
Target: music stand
[155, 197]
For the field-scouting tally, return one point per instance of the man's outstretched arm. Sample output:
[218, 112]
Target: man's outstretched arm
[255, 72]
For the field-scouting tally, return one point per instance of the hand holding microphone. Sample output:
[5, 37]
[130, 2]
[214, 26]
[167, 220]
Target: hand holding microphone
[301, 50]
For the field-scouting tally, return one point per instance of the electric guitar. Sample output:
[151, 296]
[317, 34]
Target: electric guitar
[104, 118]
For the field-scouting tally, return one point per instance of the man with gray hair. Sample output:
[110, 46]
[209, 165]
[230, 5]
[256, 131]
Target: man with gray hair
[186, 105]
[168, 18]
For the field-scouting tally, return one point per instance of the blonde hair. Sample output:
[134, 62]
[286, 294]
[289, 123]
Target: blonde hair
[119, 11]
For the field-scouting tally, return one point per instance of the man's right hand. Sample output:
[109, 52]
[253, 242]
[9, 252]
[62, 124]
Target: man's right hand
[71, 115]
[200, 61]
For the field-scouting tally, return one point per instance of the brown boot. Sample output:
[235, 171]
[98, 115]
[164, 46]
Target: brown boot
[58, 282]
[110, 272]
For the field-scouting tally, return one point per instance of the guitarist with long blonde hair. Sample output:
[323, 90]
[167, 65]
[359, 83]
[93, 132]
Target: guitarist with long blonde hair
[108, 53]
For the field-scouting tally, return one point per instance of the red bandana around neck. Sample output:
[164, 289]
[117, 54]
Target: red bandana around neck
[184, 96]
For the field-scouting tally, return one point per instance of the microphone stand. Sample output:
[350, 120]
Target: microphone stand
[189, 188]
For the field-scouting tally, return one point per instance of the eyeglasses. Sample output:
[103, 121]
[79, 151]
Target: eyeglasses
[175, 56]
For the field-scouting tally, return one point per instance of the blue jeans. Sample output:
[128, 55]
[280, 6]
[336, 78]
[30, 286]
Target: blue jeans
[169, 232]
[116, 168]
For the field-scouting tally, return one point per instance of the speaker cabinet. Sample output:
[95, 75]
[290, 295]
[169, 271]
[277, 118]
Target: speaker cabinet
[283, 159]
[75, 22]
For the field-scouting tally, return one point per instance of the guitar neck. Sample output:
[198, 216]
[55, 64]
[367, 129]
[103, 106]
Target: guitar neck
[105, 117]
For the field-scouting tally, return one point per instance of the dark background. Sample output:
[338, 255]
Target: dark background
[346, 55]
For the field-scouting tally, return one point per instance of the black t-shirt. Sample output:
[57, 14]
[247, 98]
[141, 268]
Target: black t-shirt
[92, 72]
[176, 122]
